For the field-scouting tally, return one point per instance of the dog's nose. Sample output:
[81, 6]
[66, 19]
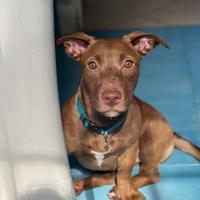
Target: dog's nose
[111, 97]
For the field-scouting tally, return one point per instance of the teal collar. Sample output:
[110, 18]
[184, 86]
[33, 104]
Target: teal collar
[91, 126]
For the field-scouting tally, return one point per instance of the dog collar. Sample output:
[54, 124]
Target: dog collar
[91, 126]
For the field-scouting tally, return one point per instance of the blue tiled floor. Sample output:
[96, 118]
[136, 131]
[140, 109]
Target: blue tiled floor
[170, 81]
[177, 182]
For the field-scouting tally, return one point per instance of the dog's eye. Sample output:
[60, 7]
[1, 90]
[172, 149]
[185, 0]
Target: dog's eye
[92, 65]
[128, 63]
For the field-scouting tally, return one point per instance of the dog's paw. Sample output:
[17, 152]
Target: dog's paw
[112, 195]
[115, 194]
[78, 186]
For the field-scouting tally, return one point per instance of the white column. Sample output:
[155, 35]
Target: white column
[33, 160]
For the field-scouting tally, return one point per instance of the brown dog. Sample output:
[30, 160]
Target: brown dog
[106, 127]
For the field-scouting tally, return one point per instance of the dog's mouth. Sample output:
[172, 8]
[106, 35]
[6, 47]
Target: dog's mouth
[110, 110]
[110, 117]
[111, 113]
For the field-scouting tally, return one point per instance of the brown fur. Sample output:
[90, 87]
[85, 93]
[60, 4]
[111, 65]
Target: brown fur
[110, 74]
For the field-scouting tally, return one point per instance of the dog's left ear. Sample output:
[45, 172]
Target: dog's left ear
[143, 43]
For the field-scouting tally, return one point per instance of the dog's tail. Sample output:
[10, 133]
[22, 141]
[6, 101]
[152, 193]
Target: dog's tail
[186, 146]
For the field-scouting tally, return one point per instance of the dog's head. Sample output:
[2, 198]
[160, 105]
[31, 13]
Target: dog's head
[110, 67]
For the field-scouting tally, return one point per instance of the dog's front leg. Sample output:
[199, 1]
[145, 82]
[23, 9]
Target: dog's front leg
[123, 190]
[93, 181]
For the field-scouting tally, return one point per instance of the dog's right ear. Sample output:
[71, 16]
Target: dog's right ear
[76, 44]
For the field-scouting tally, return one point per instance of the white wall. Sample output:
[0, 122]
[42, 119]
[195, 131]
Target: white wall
[33, 161]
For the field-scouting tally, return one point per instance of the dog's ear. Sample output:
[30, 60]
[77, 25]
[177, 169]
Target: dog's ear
[143, 43]
[76, 44]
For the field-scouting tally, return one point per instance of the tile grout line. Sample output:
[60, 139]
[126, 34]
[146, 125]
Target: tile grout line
[180, 165]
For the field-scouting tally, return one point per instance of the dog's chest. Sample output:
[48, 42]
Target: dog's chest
[97, 154]
[100, 156]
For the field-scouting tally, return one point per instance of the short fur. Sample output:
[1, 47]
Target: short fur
[110, 74]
